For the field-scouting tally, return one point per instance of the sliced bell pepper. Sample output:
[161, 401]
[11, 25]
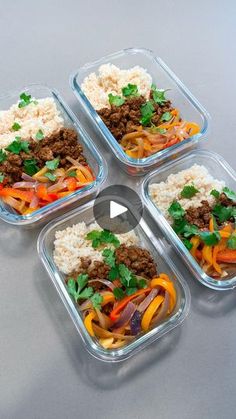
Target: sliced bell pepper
[227, 256]
[114, 315]
[17, 193]
[71, 183]
[195, 241]
[207, 254]
[150, 311]
[168, 286]
[88, 322]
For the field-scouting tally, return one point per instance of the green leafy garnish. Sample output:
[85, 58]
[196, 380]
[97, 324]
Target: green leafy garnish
[101, 237]
[142, 283]
[116, 100]
[85, 294]
[210, 239]
[130, 90]
[230, 194]
[127, 278]
[72, 173]
[118, 293]
[82, 280]
[2, 176]
[3, 156]
[190, 230]
[231, 243]
[51, 176]
[179, 225]
[147, 111]
[222, 213]
[109, 257]
[25, 146]
[96, 300]
[114, 273]
[176, 211]
[39, 135]
[52, 164]
[25, 100]
[130, 291]
[71, 287]
[77, 289]
[16, 126]
[187, 244]
[166, 116]
[215, 193]
[30, 167]
[15, 146]
[158, 95]
[188, 191]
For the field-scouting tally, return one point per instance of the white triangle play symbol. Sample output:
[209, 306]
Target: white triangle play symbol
[116, 209]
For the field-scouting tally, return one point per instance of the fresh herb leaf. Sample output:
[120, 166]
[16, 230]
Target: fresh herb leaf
[190, 230]
[215, 193]
[176, 211]
[125, 275]
[187, 244]
[130, 90]
[166, 116]
[179, 225]
[39, 135]
[96, 300]
[159, 96]
[25, 100]
[109, 257]
[25, 146]
[210, 239]
[222, 213]
[231, 243]
[142, 283]
[30, 167]
[116, 100]
[16, 126]
[72, 173]
[2, 176]
[82, 280]
[114, 273]
[130, 291]
[118, 293]
[71, 287]
[85, 294]
[230, 194]
[147, 111]
[15, 146]
[52, 164]
[188, 191]
[101, 237]
[3, 156]
[51, 176]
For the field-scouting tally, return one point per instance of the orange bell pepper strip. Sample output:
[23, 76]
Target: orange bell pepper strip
[207, 254]
[114, 315]
[193, 127]
[71, 183]
[168, 286]
[88, 322]
[17, 193]
[195, 242]
[211, 225]
[150, 311]
[227, 256]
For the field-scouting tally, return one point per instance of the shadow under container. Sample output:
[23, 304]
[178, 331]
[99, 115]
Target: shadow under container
[164, 78]
[93, 156]
[220, 170]
[148, 241]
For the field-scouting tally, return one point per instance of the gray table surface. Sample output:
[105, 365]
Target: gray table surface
[45, 372]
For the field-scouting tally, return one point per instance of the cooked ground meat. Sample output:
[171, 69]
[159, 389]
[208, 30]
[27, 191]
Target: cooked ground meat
[200, 216]
[138, 260]
[61, 144]
[226, 201]
[125, 118]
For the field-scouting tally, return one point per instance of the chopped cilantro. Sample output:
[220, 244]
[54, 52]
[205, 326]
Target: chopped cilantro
[77, 289]
[101, 237]
[166, 116]
[15, 146]
[39, 135]
[147, 111]
[130, 291]
[230, 194]
[96, 300]
[158, 95]
[16, 126]
[188, 191]
[175, 210]
[125, 275]
[3, 156]
[109, 257]
[82, 280]
[179, 225]
[231, 243]
[72, 173]
[25, 146]
[25, 100]
[30, 167]
[71, 287]
[52, 164]
[215, 193]
[130, 90]
[51, 176]
[142, 283]
[210, 239]
[118, 293]
[85, 294]
[222, 213]
[116, 100]
[187, 244]
[114, 273]
[190, 230]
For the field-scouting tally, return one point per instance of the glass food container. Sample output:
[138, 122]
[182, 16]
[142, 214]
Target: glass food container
[95, 160]
[164, 78]
[85, 214]
[219, 169]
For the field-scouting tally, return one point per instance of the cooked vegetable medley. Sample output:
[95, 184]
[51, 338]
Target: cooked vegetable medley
[206, 226]
[116, 285]
[142, 119]
[35, 171]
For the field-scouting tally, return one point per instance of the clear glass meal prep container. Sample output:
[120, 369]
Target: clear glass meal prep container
[95, 160]
[164, 78]
[219, 169]
[45, 250]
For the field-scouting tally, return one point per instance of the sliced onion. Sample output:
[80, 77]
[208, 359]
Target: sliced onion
[103, 319]
[14, 203]
[35, 201]
[135, 323]
[125, 316]
[145, 303]
[103, 281]
[106, 334]
[57, 186]
[27, 177]
[163, 310]
[24, 185]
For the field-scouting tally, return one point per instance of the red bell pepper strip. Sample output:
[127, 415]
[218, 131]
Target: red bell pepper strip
[17, 193]
[114, 315]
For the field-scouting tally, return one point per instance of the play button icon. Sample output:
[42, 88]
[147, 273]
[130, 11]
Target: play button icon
[118, 208]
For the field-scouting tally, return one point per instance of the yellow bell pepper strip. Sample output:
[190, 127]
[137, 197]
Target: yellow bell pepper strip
[192, 127]
[195, 242]
[40, 173]
[107, 298]
[226, 232]
[207, 254]
[88, 322]
[164, 276]
[114, 315]
[211, 225]
[150, 311]
[168, 286]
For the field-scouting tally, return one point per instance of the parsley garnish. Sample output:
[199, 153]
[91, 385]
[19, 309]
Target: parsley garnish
[101, 237]
[230, 194]
[97, 300]
[130, 291]
[72, 173]
[158, 95]
[77, 289]
[166, 116]
[52, 164]
[15, 146]
[190, 230]
[188, 191]
[109, 257]
[114, 273]
[3, 156]
[116, 100]
[222, 213]
[30, 167]
[130, 90]
[2, 176]
[231, 243]
[16, 126]
[51, 176]
[39, 135]
[25, 100]
[142, 283]
[210, 239]
[118, 293]
[215, 193]
[175, 210]
[187, 244]
[147, 111]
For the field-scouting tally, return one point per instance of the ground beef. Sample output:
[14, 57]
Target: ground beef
[61, 144]
[138, 260]
[223, 200]
[125, 118]
[200, 216]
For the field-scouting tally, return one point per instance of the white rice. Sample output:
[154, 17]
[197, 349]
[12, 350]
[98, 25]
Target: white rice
[71, 245]
[111, 79]
[44, 115]
[164, 193]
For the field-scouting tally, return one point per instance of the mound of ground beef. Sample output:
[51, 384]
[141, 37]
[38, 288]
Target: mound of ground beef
[199, 216]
